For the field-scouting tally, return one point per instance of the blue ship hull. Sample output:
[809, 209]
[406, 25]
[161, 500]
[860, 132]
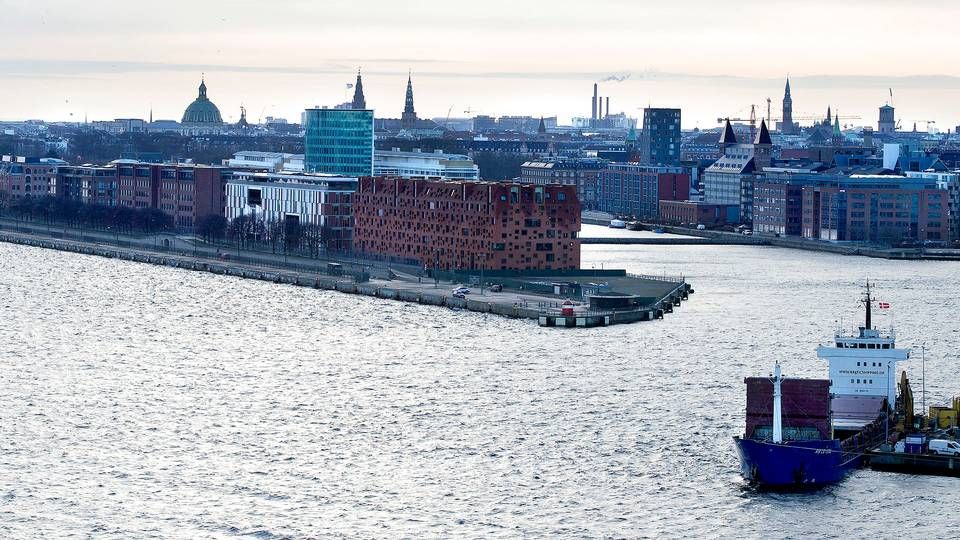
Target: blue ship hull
[794, 465]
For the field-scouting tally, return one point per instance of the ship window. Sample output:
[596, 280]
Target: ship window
[858, 381]
[871, 346]
[851, 381]
[858, 364]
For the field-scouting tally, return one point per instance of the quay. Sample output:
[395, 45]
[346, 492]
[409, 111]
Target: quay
[689, 236]
[902, 462]
[676, 241]
[617, 297]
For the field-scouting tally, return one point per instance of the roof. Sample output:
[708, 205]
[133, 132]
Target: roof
[728, 137]
[763, 136]
[202, 110]
[737, 164]
[258, 153]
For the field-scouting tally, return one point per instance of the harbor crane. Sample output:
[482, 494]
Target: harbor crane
[771, 119]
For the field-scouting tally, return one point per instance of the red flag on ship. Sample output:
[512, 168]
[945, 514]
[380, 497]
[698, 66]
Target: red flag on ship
[884, 305]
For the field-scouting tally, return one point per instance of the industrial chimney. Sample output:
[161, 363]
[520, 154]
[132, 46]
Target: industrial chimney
[593, 115]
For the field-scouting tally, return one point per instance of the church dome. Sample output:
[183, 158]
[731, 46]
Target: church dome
[202, 110]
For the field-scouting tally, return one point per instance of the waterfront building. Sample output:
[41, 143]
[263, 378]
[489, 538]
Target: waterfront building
[881, 209]
[339, 141]
[319, 199]
[692, 213]
[583, 173]
[631, 189]
[435, 164]
[185, 192]
[660, 138]
[949, 182]
[778, 208]
[468, 225]
[202, 117]
[730, 179]
[28, 176]
[88, 184]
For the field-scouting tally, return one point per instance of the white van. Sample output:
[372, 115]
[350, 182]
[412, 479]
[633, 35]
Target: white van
[940, 446]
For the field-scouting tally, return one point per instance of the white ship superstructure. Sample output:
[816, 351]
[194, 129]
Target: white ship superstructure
[863, 370]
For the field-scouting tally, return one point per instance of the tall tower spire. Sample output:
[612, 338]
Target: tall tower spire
[787, 126]
[409, 117]
[359, 102]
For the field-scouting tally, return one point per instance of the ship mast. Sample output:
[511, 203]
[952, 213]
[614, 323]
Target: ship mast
[869, 302]
[777, 399]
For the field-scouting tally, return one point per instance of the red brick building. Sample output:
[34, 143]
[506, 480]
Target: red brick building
[187, 193]
[24, 177]
[468, 225]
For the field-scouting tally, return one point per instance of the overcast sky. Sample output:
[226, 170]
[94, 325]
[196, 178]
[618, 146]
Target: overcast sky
[114, 58]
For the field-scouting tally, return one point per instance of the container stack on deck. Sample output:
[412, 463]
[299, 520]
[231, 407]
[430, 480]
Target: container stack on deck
[806, 408]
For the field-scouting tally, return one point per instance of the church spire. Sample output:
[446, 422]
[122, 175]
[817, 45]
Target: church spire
[786, 92]
[408, 102]
[359, 102]
[409, 117]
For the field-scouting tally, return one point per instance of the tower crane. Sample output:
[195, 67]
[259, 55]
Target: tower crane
[752, 120]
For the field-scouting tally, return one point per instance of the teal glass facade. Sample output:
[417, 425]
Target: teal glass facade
[339, 141]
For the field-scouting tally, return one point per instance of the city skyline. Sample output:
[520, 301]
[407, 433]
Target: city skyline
[712, 62]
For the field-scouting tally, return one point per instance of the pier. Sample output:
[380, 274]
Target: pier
[540, 298]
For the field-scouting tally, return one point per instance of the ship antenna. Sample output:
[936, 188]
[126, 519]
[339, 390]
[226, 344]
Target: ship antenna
[869, 301]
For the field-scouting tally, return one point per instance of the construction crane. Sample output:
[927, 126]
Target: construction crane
[771, 119]
[752, 120]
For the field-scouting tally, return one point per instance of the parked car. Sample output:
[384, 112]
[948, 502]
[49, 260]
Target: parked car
[496, 287]
[747, 232]
[461, 290]
[701, 227]
[458, 294]
[944, 447]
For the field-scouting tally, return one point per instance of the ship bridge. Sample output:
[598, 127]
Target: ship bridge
[863, 365]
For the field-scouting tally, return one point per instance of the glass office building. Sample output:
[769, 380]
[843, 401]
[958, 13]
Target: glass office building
[339, 141]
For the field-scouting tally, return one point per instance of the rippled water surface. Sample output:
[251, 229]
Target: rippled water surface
[140, 401]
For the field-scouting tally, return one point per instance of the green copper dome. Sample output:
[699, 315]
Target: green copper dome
[202, 110]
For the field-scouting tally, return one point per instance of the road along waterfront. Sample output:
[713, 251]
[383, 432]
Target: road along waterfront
[147, 401]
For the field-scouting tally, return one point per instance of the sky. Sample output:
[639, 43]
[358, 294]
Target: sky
[105, 59]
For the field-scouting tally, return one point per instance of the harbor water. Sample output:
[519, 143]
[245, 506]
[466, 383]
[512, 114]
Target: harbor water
[147, 402]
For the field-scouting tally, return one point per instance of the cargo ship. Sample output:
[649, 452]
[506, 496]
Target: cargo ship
[808, 433]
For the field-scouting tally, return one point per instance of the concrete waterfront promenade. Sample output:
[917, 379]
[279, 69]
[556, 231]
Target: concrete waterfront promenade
[681, 236]
[356, 277]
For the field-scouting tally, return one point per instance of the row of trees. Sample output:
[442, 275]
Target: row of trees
[281, 236]
[51, 210]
